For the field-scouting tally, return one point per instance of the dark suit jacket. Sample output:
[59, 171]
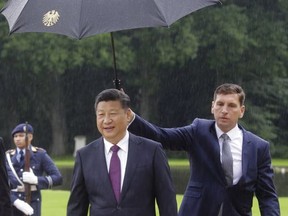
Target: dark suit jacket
[147, 177]
[206, 190]
[5, 203]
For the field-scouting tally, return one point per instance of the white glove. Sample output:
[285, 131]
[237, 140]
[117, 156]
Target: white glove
[24, 207]
[29, 177]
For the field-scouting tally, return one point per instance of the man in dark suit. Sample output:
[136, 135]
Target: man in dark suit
[221, 182]
[142, 174]
[5, 203]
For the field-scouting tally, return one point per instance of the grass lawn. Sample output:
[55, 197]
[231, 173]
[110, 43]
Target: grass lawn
[55, 202]
[69, 162]
[185, 162]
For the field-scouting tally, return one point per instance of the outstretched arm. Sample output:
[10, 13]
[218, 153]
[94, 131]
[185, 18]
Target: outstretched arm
[170, 138]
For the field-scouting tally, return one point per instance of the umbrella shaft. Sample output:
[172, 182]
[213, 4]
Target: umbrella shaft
[116, 81]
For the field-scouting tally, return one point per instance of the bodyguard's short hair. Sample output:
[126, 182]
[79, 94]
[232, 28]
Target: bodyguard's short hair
[230, 88]
[113, 95]
[22, 128]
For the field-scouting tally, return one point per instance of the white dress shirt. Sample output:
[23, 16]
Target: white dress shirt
[236, 142]
[122, 154]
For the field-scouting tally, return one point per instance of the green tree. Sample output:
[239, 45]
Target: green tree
[42, 60]
[156, 51]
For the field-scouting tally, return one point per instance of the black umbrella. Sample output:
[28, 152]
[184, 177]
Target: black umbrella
[84, 18]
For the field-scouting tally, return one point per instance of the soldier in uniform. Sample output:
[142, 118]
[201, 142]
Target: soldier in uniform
[43, 172]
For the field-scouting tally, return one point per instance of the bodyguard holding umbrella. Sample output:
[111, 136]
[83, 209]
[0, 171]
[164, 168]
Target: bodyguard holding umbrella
[40, 164]
[228, 164]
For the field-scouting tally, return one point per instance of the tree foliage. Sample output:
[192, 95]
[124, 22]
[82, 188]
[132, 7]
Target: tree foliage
[170, 73]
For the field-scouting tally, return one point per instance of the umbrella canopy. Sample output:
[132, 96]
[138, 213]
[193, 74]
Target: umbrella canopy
[83, 18]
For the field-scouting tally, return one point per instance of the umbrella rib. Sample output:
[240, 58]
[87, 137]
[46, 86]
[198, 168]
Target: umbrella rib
[80, 30]
[163, 16]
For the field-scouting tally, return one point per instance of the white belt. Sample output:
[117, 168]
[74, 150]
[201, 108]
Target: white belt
[21, 188]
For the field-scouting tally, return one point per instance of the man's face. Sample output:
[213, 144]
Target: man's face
[112, 120]
[19, 139]
[227, 111]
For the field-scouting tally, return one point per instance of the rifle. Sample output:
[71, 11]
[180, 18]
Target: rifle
[27, 166]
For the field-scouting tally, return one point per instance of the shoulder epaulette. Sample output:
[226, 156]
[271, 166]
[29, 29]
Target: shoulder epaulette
[35, 149]
[11, 151]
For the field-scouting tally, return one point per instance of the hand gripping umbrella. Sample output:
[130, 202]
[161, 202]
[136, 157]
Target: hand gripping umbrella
[83, 18]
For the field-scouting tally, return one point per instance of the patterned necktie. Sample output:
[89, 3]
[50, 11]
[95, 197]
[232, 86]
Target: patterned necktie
[227, 160]
[115, 172]
[21, 155]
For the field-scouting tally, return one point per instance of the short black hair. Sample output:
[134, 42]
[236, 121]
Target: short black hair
[113, 95]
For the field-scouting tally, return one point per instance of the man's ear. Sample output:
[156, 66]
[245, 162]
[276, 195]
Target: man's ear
[242, 111]
[212, 107]
[129, 114]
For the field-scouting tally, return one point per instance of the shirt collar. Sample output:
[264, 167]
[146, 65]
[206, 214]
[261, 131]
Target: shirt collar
[122, 144]
[18, 150]
[232, 133]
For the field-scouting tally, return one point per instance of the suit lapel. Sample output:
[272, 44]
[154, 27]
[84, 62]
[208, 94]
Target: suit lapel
[218, 173]
[101, 159]
[132, 162]
[100, 162]
[246, 154]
